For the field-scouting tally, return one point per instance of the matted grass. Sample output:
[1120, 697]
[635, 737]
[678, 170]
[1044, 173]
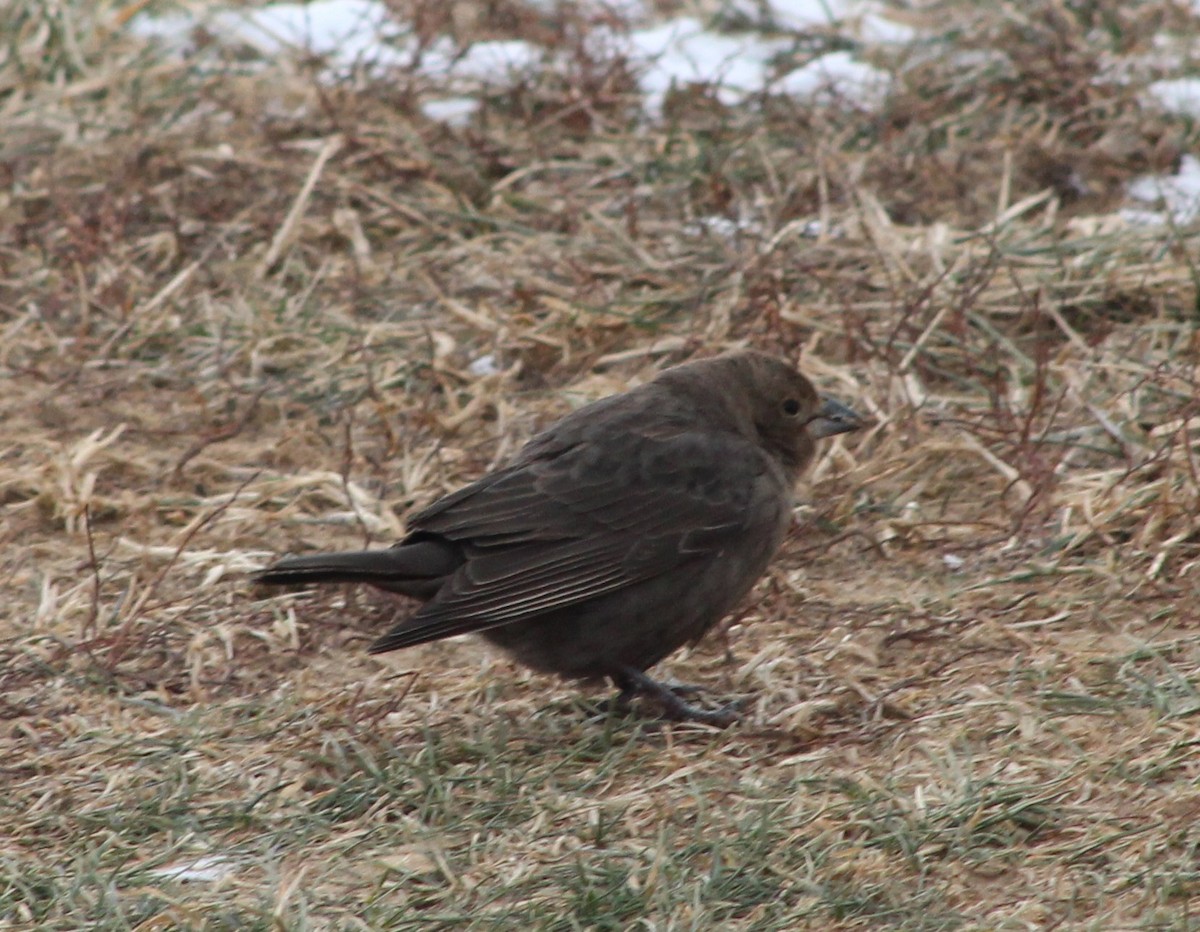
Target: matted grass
[240, 306]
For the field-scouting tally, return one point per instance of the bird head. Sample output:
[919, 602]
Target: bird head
[788, 413]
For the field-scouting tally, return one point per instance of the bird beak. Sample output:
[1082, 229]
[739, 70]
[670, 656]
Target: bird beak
[833, 417]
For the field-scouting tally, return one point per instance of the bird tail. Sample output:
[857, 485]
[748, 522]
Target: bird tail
[417, 569]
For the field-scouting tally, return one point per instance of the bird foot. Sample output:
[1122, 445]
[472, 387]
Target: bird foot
[685, 690]
[669, 697]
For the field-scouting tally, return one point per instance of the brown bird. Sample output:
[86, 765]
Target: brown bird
[619, 534]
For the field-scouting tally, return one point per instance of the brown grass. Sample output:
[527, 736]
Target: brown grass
[239, 308]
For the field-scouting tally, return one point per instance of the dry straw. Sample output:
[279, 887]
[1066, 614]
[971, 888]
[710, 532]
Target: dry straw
[245, 310]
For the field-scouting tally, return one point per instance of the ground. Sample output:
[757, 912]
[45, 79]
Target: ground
[251, 306]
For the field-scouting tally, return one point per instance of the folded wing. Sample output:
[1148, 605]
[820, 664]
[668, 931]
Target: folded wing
[583, 520]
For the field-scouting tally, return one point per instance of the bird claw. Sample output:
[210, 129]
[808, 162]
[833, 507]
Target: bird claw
[669, 697]
[686, 690]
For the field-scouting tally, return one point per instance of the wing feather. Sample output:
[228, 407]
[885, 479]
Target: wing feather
[582, 521]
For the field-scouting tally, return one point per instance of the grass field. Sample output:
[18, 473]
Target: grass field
[257, 303]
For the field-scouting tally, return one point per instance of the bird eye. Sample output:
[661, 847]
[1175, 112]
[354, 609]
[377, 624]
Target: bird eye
[791, 407]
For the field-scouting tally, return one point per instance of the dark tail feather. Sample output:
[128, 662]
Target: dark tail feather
[417, 569]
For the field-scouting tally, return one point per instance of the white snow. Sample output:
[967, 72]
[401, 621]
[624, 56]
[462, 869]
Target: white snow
[347, 30]
[1181, 95]
[486, 61]
[454, 111]
[673, 53]
[836, 74]
[682, 51]
[484, 365]
[1178, 195]
[867, 22]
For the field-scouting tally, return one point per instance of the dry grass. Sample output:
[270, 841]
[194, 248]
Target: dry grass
[239, 308]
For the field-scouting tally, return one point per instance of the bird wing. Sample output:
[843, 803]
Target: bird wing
[583, 520]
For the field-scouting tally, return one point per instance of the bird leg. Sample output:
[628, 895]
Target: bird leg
[685, 690]
[632, 682]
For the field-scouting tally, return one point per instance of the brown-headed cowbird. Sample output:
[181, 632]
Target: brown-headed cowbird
[619, 534]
